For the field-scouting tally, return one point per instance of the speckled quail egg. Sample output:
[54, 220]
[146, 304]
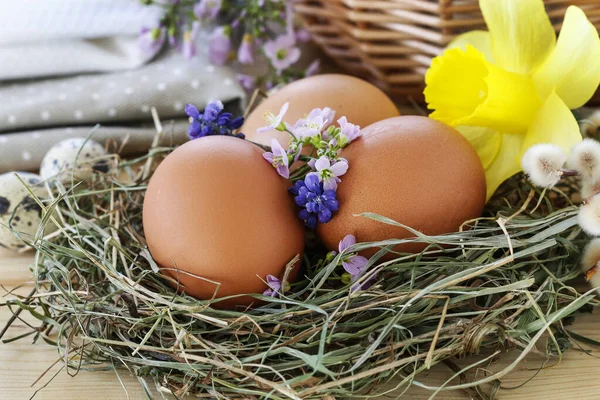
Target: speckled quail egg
[18, 209]
[78, 155]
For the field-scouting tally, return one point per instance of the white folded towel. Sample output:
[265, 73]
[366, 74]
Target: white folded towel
[57, 37]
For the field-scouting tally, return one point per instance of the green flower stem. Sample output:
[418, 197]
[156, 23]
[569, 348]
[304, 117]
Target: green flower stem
[292, 134]
[300, 172]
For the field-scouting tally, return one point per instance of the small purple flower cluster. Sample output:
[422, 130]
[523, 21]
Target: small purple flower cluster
[354, 266]
[254, 21]
[213, 121]
[275, 286]
[314, 189]
[317, 203]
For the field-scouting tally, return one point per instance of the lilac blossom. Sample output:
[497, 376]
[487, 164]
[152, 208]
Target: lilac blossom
[317, 120]
[248, 82]
[313, 68]
[278, 158]
[152, 40]
[295, 149]
[219, 45]
[274, 286]
[172, 38]
[303, 35]
[349, 132]
[275, 121]
[282, 52]
[352, 262]
[189, 41]
[329, 174]
[289, 19]
[327, 113]
[207, 8]
[245, 53]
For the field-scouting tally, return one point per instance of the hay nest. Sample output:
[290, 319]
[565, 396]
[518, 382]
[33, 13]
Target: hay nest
[500, 283]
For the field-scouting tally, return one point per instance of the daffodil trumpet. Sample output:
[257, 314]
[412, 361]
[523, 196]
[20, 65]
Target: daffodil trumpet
[513, 86]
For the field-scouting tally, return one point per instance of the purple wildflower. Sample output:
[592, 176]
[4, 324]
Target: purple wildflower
[295, 148]
[212, 110]
[152, 40]
[317, 204]
[329, 174]
[213, 121]
[274, 286]
[278, 158]
[246, 51]
[352, 262]
[275, 121]
[207, 8]
[317, 120]
[349, 132]
[219, 45]
[289, 18]
[172, 37]
[189, 41]
[248, 82]
[313, 68]
[326, 113]
[303, 35]
[282, 52]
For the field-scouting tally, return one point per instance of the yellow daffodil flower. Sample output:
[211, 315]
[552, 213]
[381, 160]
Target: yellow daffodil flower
[513, 87]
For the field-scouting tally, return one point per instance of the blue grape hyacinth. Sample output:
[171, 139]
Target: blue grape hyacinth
[318, 205]
[213, 121]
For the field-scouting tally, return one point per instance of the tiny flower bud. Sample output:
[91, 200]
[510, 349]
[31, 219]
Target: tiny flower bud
[333, 131]
[543, 163]
[585, 158]
[330, 256]
[346, 278]
[589, 216]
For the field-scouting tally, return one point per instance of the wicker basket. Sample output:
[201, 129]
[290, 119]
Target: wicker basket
[392, 42]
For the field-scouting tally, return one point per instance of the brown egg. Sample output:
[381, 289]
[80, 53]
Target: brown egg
[361, 102]
[414, 170]
[216, 209]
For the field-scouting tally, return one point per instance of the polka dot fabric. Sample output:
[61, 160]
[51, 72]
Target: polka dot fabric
[45, 110]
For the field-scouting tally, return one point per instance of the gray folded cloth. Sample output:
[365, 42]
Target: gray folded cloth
[36, 115]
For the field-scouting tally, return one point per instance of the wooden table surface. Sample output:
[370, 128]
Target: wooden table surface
[21, 364]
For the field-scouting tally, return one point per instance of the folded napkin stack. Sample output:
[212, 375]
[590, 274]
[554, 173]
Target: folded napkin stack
[67, 65]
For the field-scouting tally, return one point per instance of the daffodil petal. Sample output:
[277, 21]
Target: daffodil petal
[465, 89]
[554, 124]
[486, 141]
[521, 33]
[480, 40]
[573, 68]
[506, 164]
